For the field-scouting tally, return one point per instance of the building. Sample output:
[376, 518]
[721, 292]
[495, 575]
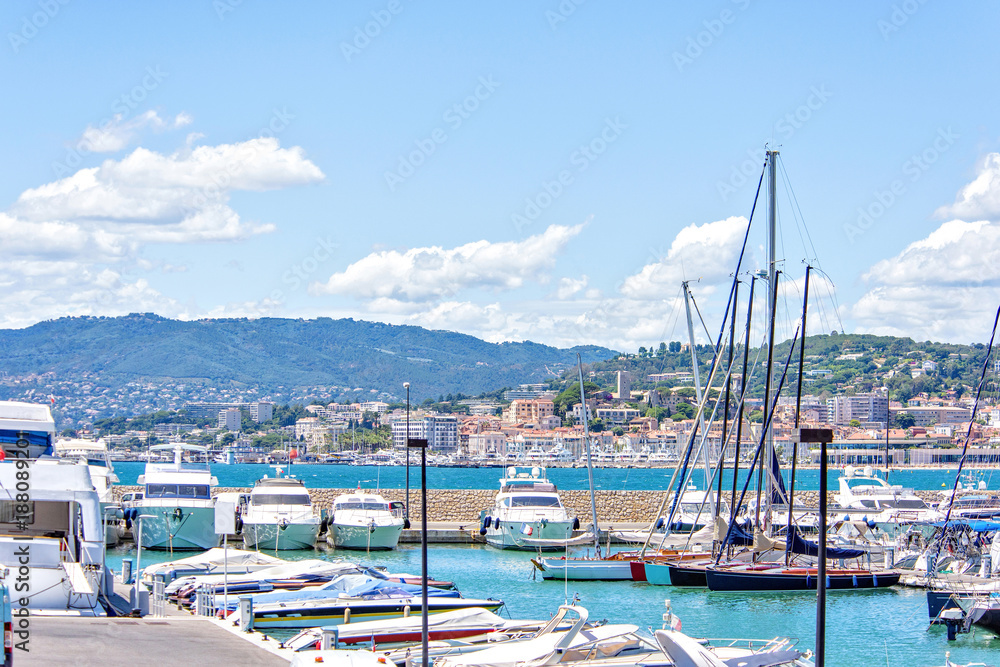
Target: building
[440, 431]
[211, 409]
[527, 391]
[487, 443]
[230, 418]
[528, 411]
[261, 411]
[378, 407]
[624, 384]
[578, 412]
[865, 408]
[617, 416]
[926, 415]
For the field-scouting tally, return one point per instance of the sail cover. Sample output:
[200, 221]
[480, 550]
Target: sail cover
[798, 545]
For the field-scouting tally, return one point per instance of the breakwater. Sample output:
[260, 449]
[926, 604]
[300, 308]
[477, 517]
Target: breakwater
[464, 505]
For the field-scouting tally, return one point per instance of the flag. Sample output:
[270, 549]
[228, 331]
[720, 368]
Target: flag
[526, 529]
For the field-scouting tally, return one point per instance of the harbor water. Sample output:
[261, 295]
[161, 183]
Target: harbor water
[869, 628]
[326, 476]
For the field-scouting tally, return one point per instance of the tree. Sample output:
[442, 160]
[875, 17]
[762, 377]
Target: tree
[618, 430]
[683, 411]
[675, 346]
[661, 352]
[854, 423]
[227, 439]
[596, 425]
[904, 420]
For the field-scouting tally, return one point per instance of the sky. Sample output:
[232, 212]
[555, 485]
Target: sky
[547, 171]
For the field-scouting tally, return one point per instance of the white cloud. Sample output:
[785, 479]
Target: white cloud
[708, 252]
[569, 287]
[434, 273]
[944, 287]
[114, 135]
[66, 246]
[980, 199]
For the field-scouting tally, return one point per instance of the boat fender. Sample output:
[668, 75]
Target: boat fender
[808, 581]
[371, 527]
[659, 524]
[576, 523]
[486, 524]
[323, 525]
[239, 524]
[406, 524]
[871, 523]
[128, 519]
[854, 580]
[178, 513]
[496, 523]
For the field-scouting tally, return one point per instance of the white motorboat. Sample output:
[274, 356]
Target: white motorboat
[102, 473]
[279, 514]
[527, 513]
[865, 496]
[57, 537]
[26, 430]
[363, 520]
[177, 511]
[971, 501]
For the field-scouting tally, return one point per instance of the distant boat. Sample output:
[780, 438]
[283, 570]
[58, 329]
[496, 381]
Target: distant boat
[102, 473]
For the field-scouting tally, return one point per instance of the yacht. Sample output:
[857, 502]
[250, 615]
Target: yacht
[971, 501]
[102, 473]
[362, 520]
[866, 496]
[177, 511]
[527, 513]
[60, 534]
[279, 514]
[26, 430]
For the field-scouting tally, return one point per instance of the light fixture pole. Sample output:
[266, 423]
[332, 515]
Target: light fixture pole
[406, 385]
[422, 444]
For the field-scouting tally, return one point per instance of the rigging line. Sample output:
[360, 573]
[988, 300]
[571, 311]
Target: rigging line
[697, 310]
[972, 418]
[795, 201]
[830, 285]
[796, 214]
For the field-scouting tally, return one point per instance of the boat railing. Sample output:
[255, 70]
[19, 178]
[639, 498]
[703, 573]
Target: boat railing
[882, 490]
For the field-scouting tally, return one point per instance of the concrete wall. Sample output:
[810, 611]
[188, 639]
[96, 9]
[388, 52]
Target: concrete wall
[463, 505]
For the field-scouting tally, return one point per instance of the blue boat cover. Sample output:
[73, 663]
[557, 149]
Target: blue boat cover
[798, 545]
[353, 585]
[978, 526]
[35, 439]
[738, 536]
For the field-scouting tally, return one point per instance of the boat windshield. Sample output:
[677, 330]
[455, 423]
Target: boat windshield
[534, 501]
[378, 507]
[279, 499]
[905, 504]
[178, 491]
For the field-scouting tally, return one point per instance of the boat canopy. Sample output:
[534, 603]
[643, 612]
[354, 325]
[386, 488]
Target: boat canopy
[798, 545]
[978, 526]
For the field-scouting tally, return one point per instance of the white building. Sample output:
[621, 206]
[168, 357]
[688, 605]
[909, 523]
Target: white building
[440, 431]
[261, 411]
[231, 419]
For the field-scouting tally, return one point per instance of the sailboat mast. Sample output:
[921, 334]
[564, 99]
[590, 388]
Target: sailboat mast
[590, 467]
[694, 366]
[772, 283]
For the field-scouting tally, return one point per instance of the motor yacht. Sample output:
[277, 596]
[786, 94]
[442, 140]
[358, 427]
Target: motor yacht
[527, 513]
[102, 473]
[279, 514]
[177, 511]
[362, 520]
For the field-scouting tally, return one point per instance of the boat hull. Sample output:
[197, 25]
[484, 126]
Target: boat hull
[309, 616]
[269, 536]
[364, 537]
[658, 574]
[686, 576]
[585, 570]
[795, 580]
[178, 528]
[515, 535]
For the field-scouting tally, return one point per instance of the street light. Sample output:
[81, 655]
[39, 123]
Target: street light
[422, 444]
[138, 557]
[406, 519]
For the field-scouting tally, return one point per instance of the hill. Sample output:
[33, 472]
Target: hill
[280, 358]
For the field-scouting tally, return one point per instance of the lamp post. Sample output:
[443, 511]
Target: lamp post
[406, 386]
[422, 444]
[823, 436]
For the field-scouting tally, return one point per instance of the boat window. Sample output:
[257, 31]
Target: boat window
[907, 504]
[177, 491]
[869, 504]
[534, 501]
[8, 514]
[383, 507]
[279, 499]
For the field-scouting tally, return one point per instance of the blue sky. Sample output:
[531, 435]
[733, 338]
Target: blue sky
[544, 171]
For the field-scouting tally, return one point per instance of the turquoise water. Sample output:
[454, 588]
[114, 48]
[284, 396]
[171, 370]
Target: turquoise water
[885, 627]
[634, 479]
